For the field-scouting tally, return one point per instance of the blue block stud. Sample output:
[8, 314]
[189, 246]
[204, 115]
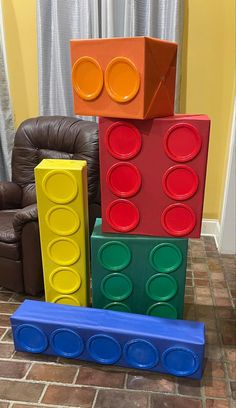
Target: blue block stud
[108, 337]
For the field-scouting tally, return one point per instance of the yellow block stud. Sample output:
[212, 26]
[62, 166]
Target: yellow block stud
[62, 199]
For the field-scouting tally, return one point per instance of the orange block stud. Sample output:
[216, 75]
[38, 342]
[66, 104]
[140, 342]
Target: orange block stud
[124, 77]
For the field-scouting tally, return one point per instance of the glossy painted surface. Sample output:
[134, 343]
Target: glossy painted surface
[108, 337]
[139, 274]
[153, 175]
[61, 187]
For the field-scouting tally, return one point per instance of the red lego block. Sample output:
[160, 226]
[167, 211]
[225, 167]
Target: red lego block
[153, 175]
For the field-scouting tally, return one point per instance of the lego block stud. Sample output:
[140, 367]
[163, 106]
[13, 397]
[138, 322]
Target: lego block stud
[180, 182]
[66, 300]
[180, 361]
[122, 215]
[161, 287]
[116, 286]
[62, 220]
[178, 220]
[182, 142]
[114, 256]
[87, 78]
[124, 179]
[165, 257]
[31, 338]
[63, 251]
[104, 349]
[122, 79]
[65, 280]
[141, 354]
[163, 309]
[117, 306]
[61, 187]
[123, 140]
[66, 343]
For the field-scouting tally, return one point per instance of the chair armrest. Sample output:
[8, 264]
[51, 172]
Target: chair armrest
[10, 195]
[23, 216]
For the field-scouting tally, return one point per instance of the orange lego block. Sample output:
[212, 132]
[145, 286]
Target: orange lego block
[124, 77]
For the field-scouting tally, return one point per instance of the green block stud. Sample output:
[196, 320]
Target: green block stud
[138, 274]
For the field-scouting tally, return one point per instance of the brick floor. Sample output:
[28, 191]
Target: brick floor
[43, 381]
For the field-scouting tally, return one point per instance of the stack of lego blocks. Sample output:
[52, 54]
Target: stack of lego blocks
[152, 173]
[152, 167]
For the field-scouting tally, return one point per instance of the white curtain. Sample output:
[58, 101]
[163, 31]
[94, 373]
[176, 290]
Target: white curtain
[61, 20]
[58, 22]
[6, 116]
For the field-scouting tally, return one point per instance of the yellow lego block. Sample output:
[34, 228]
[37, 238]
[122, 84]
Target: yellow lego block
[62, 198]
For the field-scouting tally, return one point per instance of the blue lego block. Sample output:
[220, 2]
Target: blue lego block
[108, 337]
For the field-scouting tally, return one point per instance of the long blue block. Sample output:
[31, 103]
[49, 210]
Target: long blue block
[108, 337]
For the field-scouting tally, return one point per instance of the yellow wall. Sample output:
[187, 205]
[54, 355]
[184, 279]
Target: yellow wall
[19, 18]
[208, 78]
[207, 75]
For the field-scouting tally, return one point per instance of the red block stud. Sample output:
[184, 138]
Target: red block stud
[153, 175]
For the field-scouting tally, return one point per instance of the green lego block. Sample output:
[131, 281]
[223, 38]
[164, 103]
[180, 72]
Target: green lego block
[138, 274]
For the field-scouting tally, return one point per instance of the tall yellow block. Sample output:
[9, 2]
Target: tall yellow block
[62, 198]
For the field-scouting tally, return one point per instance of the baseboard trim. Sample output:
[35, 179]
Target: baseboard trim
[212, 228]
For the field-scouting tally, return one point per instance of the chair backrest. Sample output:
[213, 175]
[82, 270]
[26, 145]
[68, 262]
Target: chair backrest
[53, 137]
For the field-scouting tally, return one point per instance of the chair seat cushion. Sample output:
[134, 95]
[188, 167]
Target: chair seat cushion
[7, 233]
[9, 244]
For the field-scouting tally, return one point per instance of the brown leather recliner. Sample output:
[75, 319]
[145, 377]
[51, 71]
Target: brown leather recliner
[54, 137]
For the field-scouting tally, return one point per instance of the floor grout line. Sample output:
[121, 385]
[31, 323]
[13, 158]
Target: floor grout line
[43, 393]
[95, 399]
[76, 376]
